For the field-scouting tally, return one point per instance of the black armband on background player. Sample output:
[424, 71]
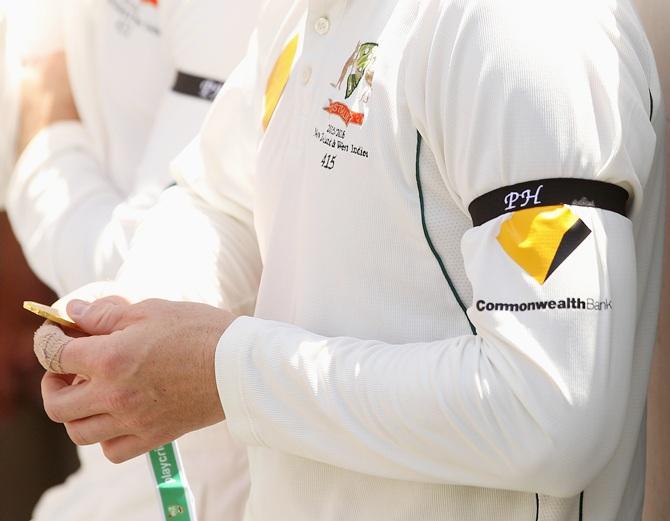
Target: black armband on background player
[196, 86]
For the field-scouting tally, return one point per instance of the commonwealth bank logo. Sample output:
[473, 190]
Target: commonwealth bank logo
[540, 239]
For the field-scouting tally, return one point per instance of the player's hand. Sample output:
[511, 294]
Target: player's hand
[148, 374]
[46, 97]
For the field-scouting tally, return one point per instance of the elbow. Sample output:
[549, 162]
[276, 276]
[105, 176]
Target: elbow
[568, 457]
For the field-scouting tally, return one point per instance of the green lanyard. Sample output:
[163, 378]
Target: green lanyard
[175, 494]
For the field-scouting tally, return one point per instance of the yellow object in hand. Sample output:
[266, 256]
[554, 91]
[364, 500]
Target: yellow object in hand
[49, 313]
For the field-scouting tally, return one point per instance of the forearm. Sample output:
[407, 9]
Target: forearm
[65, 212]
[533, 402]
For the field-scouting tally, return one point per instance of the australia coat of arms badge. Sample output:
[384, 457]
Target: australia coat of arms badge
[358, 72]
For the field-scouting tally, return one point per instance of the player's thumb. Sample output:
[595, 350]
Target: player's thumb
[101, 317]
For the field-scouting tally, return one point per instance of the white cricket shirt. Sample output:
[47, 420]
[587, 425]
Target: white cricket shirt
[455, 210]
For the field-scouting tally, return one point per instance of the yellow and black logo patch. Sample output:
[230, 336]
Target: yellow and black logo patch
[540, 239]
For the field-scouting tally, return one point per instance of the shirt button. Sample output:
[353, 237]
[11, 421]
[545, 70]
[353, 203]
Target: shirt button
[306, 74]
[322, 25]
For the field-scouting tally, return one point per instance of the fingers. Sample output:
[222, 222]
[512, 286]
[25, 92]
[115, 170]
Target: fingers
[101, 317]
[117, 444]
[50, 344]
[90, 426]
[63, 354]
[65, 403]
[89, 293]
[52, 383]
[95, 429]
[112, 299]
[123, 448]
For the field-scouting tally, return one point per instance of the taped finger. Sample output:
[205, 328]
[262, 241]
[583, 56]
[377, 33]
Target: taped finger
[49, 342]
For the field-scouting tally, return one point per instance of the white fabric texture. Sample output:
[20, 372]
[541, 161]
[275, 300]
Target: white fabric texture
[359, 387]
[80, 188]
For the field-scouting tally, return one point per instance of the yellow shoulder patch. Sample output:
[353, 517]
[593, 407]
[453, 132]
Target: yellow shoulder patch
[278, 79]
[540, 239]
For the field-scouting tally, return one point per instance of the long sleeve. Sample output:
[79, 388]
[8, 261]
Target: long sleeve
[534, 399]
[74, 218]
[198, 242]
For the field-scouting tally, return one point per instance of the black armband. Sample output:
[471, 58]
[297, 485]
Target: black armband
[548, 192]
[203, 88]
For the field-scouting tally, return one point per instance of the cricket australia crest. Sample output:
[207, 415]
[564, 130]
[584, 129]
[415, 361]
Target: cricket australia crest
[355, 79]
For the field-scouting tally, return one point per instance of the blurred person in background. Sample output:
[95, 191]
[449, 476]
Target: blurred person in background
[27, 437]
[655, 15]
[103, 110]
